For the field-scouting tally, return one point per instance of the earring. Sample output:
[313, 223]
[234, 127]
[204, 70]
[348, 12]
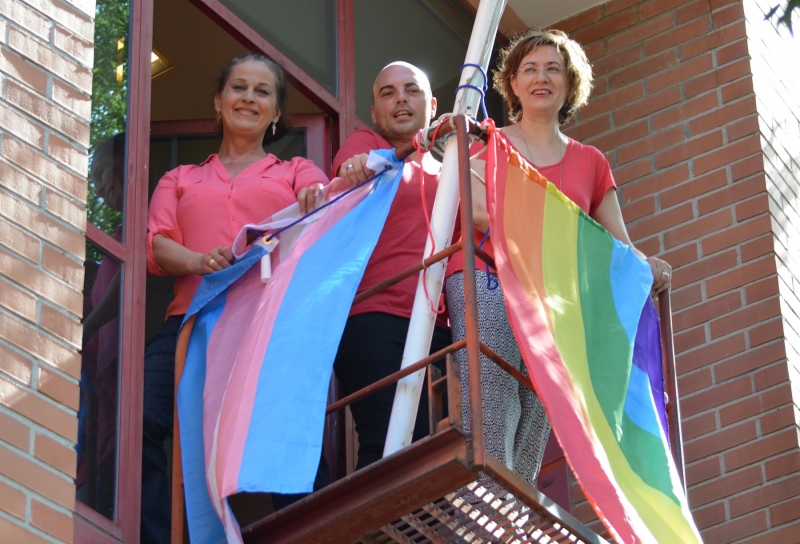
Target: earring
[218, 118]
[274, 128]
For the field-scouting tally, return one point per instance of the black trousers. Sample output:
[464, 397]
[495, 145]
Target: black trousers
[371, 349]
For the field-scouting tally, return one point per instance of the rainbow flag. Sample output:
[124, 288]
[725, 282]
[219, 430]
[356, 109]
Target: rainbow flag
[252, 397]
[575, 296]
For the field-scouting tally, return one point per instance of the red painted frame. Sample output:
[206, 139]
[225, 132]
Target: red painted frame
[89, 526]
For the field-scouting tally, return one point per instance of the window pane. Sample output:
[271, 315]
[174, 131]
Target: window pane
[303, 30]
[436, 42]
[106, 199]
[96, 479]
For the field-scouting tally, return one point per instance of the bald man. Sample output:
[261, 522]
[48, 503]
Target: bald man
[374, 337]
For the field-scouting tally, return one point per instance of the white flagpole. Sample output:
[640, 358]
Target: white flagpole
[443, 217]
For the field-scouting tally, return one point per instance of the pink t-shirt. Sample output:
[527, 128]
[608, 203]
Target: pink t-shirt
[585, 179]
[402, 242]
[199, 207]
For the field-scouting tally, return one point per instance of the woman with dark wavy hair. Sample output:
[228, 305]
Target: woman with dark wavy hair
[195, 214]
[545, 78]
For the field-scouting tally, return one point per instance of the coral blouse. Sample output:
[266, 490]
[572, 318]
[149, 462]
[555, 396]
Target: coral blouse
[201, 208]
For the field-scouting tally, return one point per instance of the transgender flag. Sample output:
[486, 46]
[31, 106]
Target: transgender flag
[578, 301]
[252, 398]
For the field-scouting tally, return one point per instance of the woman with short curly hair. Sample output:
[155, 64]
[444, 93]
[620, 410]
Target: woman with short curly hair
[545, 78]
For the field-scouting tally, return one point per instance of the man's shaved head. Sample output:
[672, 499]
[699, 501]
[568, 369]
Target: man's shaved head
[402, 102]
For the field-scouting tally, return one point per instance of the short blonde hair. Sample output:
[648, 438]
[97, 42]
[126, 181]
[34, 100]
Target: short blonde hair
[579, 72]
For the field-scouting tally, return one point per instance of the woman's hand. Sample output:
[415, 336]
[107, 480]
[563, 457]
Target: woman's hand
[355, 169]
[307, 198]
[213, 261]
[662, 273]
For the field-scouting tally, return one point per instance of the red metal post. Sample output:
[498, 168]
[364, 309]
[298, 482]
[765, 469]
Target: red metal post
[470, 294]
[671, 383]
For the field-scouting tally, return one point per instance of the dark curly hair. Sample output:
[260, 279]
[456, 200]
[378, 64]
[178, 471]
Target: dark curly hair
[578, 70]
[282, 126]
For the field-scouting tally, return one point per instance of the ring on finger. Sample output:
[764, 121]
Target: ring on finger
[665, 273]
[349, 167]
[211, 262]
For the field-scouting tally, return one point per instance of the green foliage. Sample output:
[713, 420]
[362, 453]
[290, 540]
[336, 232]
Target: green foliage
[109, 99]
[786, 18]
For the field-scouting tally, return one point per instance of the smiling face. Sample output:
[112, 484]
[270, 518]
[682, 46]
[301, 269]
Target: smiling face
[248, 101]
[402, 102]
[541, 82]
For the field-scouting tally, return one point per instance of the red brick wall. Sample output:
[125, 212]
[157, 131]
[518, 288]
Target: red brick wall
[45, 83]
[676, 112]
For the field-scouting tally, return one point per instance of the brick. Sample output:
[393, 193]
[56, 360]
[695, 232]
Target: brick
[593, 127]
[58, 388]
[18, 301]
[723, 115]
[651, 144]
[660, 222]
[725, 487]
[765, 496]
[707, 266]
[674, 37]
[698, 186]
[743, 128]
[39, 345]
[617, 5]
[698, 426]
[705, 312]
[605, 27]
[725, 74]
[20, 183]
[687, 296]
[753, 359]
[22, 70]
[36, 478]
[650, 246]
[694, 10]
[693, 48]
[698, 228]
[759, 450]
[612, 100]
[73, 100]
[60, 325]
[680, 257]
[68, 155]
[40, 283]
[66, 209]
[679, 74]
[731, 194]
[653, 8]
[31, 161]
[755, 405]
[766, 332]
[580, 20]
[620, 136]
[747, 167]
[26, 18]
[63, 267]
[781, 419]
[736, 235]
[15, 365]
[640, 32]
[728, 15]
[67, 17]
[785, 512]
[594, 51]
[726, 35]
[78, 49]
[12, 501]
[11, 532]
[695, 381]
[691, 148]
[29, 405]
[12, 431]
[49, 114]
[630, 172]
[732, 52]
[685, 110]
[21, 127]
[709, 516]
[55, 454]
[50, 60]
[711, 353]
[737, 529]
[51, 521]
[640, 70]
[639, 209]
[718, 395]
[761, 290]
[42, 225]
[662, 181]
[689, 339]
[704, 470]
[740, 276]
[783, 465]
[613, 61]
[772, 375]
[737, 89]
